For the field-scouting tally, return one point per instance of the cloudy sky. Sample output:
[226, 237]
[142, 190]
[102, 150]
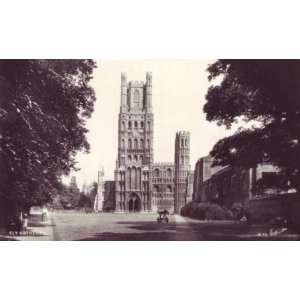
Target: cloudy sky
[178, 95]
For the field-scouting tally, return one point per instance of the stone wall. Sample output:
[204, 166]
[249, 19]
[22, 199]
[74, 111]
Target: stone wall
[203, 172]
[227, 185]
[264, 209]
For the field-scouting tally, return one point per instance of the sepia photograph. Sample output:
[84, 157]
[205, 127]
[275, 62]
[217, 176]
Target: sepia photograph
[150, 150]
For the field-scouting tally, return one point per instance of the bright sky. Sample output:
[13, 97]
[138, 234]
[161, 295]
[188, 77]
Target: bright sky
[178, 95]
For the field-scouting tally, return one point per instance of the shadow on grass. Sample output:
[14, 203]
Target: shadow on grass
[146, 236]
[152, 231]
[149, 226]
[195, 228]
[210, 231]
[36, 224]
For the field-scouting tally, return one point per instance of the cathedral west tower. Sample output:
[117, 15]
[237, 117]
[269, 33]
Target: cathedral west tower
[140, 183]
[133, 183]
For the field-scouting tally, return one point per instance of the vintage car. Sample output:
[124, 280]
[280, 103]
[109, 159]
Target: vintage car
[163, 216]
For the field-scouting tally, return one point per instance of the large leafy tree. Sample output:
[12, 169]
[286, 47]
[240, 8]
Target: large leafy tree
[44, 105]
[265, 93]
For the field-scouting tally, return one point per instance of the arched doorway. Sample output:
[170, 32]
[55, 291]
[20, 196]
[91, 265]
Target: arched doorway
[134, 203]
[130, 205]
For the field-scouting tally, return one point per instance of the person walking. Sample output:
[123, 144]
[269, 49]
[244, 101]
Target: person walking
[44, 213]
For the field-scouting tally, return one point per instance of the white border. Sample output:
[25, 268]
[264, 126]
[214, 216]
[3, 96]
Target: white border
[149, 29]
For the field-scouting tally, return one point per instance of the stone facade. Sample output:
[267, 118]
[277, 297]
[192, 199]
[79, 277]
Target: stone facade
[227, 185]
[141, 184]
[135, 142]
[203, 171]
[182, 170]
[163, 186]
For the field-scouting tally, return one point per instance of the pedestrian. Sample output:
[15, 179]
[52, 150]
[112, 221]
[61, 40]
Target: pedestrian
[25, 222]
[44, 213]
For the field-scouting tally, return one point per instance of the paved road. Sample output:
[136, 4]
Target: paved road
[140, 227]
[124, 227]
[69, 225]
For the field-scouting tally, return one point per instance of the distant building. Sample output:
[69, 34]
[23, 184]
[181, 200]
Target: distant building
[84, 188]
[109, 204]
[141, 184]
[99, 198]
[227, 185]
[203, 172]
[73, 185]
[74, 194]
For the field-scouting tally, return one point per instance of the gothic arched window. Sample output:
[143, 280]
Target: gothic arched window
[156, 188]
[142, 144]
[129, 124]
[169, 172]
[136, 98]
[156, 173]
[123, 125]
[129, 178]
[123, 144]
[129, 144]
[169, 189]
[139, 178]
[135, 124]
[135, 144]
[133, 178]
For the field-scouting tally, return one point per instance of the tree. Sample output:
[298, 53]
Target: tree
[44, 105]
[67, 196]
[94, 190]
[84, 201]
[87, 199]
[267, 93]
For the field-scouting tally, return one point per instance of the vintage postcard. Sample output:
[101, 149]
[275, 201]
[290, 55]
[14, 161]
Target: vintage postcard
[149, 150]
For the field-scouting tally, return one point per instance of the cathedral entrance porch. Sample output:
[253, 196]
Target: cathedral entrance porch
[134, 203]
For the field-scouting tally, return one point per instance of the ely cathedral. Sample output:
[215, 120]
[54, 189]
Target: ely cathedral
[141, 185]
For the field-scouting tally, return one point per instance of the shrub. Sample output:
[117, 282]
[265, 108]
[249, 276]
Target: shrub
[206, 211]
[237, 209]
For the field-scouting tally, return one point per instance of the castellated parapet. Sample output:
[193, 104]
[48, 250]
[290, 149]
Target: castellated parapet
[136, 84]
[163, 164]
